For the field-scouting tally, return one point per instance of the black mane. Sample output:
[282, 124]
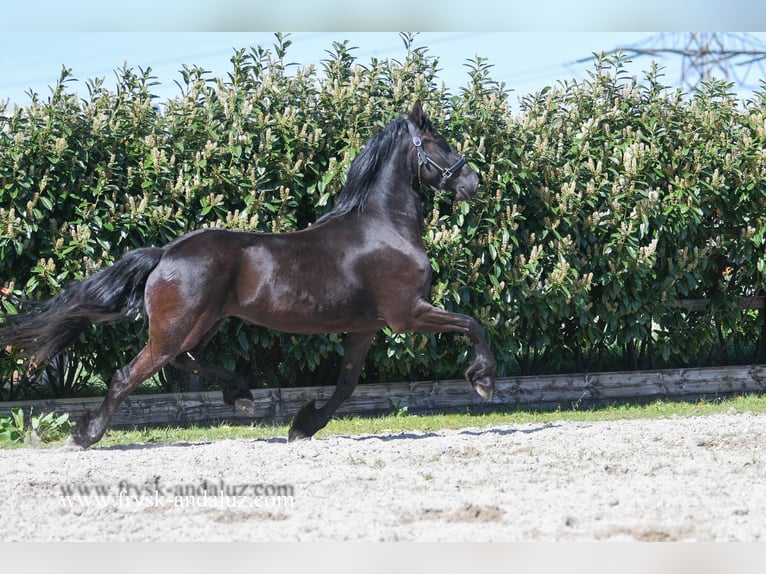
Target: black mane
[365, 169]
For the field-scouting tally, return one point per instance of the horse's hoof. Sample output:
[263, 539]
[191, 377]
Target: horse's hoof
[81, 435]
[481, 375]
[232, 395]
[246, 406]
[304, 424]
[294, 434]
[483, 385]
[484, 391]
[70, 445]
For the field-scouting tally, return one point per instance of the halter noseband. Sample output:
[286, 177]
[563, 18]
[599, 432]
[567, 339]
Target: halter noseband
[423, 159]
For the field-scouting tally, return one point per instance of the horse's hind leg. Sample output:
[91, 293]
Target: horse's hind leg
[310, 419]
[174, 327]
[91, 427]
[234, 387]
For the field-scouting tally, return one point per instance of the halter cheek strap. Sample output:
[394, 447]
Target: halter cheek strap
[423, 159]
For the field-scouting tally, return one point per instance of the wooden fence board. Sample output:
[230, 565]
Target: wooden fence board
[566, 391]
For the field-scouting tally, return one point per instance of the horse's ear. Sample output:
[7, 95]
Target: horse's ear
[417, 116]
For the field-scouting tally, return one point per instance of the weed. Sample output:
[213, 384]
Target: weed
[18, 428]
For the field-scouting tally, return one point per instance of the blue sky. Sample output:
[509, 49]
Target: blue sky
[381, 15]
[530, 44]
[524, 61]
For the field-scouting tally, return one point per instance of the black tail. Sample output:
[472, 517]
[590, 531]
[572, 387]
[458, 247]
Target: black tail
[112, 294]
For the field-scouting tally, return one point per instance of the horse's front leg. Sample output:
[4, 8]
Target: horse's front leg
[310, 418]
[425, 318]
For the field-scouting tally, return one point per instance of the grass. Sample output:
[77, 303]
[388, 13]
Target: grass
[401, 422]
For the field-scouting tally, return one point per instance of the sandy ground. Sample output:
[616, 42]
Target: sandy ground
[695, 479]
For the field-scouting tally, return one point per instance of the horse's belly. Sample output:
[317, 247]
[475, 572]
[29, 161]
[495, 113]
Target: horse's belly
[310, 311]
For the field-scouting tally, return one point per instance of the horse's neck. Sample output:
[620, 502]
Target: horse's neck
[397, 204]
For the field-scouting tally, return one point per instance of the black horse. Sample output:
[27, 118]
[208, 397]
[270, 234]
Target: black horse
[357, 269]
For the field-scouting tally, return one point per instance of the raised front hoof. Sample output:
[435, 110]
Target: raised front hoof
[481, 375]
[83, 436]
[304, 424]
[485, 389]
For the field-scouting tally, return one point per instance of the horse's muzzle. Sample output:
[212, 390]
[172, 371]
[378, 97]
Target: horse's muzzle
[466, 184]
[465, 191]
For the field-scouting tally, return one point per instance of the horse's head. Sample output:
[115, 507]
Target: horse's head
[437, 163]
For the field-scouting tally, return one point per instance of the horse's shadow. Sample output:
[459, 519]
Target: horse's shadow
[503, 432]
[133, 447]
[470, 432]
[153, 445]
[404, 436]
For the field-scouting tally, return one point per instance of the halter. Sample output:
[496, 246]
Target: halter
[423, 159]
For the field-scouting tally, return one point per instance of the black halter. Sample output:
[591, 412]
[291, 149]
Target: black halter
[423, 159]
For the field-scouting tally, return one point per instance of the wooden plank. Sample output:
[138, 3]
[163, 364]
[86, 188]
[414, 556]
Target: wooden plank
[280, 405]
[596, 388]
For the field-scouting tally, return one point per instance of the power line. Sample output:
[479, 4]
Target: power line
[705, 55]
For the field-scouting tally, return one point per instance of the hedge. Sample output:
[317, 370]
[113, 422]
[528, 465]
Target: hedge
[603, 203]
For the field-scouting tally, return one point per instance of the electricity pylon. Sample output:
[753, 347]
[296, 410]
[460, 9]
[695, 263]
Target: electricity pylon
[707, 55]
